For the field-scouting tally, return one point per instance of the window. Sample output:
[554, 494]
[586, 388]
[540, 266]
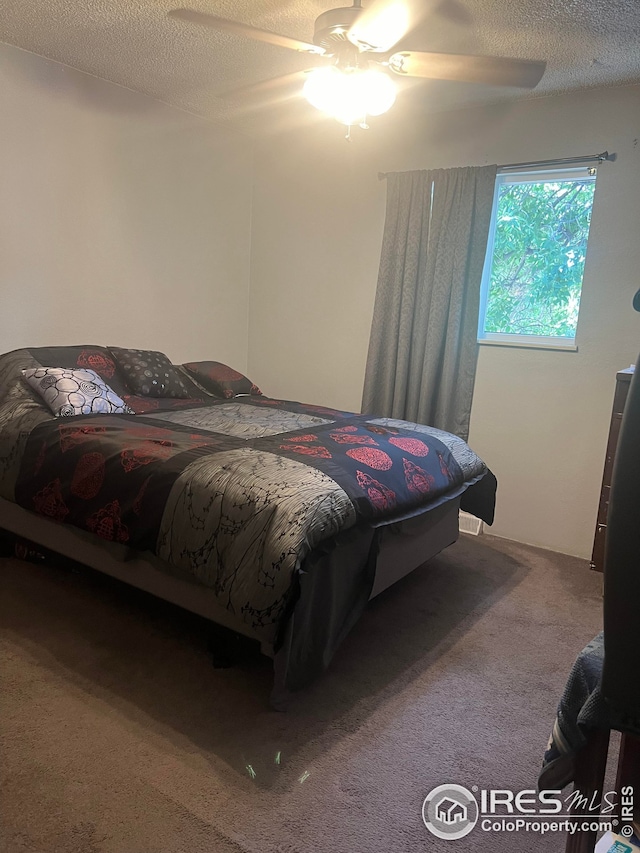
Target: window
[536, 251]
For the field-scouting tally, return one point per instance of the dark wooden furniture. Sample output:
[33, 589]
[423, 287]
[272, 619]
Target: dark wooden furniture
[623, 379]
[591, 763]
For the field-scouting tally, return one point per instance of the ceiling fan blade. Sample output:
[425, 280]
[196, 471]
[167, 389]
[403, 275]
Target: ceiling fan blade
[239, 29]
[493, 70]
[266, 87]
[383, 23]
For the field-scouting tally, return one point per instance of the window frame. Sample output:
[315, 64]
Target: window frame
[539, 175]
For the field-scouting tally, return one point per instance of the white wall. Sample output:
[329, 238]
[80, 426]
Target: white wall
[125, 221]
[122, 221]
[539, 418]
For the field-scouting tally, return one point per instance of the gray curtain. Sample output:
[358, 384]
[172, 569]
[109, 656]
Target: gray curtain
[423, 348]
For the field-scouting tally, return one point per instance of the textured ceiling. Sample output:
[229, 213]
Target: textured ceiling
[585, 43]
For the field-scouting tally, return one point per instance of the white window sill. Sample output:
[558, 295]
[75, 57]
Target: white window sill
[520, 344]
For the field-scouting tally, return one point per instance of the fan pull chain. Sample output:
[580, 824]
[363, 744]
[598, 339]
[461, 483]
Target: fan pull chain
[363, 125]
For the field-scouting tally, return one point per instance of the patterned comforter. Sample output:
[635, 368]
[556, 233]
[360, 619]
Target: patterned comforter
[235, 493]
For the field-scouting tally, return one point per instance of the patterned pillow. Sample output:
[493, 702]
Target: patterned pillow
[69, 392]
[150, 374]
[220, 379]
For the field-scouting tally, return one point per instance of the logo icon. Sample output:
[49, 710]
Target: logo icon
[450, 811]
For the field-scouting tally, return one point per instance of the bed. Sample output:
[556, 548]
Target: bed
[276, 519]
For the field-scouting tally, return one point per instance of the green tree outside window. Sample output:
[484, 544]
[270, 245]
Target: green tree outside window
[539, 252]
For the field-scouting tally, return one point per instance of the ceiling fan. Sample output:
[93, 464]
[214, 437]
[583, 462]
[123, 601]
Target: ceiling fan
[360, 42]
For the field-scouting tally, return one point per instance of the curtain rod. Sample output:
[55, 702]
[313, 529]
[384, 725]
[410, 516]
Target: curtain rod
[563, 161]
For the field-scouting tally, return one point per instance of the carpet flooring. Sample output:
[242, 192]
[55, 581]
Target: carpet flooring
[118, 736]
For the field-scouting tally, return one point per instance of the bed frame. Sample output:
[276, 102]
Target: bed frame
[403, 546]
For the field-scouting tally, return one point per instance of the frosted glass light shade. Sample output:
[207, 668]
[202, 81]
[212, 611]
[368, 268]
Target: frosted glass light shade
[349, 96]
[320, 87]
[379, 92]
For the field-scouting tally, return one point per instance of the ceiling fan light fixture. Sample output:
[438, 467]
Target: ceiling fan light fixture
[350, 95]
[361, 41]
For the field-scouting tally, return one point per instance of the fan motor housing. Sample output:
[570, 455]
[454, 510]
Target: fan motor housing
[331, 27]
